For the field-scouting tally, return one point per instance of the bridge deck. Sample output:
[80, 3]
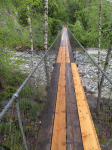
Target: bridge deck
[67, 122]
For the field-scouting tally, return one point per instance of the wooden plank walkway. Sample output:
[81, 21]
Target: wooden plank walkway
[67, 123]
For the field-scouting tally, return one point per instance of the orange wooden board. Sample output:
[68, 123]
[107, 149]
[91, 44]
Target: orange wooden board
[59, 55]
[59, 129]
[67, 52]
[63, 55]
[89, 137]
[62, 36]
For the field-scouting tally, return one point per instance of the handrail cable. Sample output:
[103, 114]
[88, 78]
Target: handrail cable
[92, 59]
[26, 80]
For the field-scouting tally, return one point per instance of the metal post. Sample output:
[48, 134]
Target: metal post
[21, 127]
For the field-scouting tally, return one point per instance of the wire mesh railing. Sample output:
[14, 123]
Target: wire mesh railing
[88, 70]
[21, 116]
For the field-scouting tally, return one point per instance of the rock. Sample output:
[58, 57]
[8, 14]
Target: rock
[94, 116]
[91, 92]
[4, 102]
[85, 89]
[39, 114]
[2, 148]
[19, 47]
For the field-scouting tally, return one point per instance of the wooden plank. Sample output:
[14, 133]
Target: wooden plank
[62, 36]
[67, 52]
[45, 132]
[73, 127]
[63, 55]
[63, 41]
[59, 129]
[74, 139]
[89, 137]
[59, 55]
[72, 60]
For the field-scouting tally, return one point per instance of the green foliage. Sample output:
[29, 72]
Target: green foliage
[10, 91]
[13, 117]
[0, 105]
[39, 33]
[16, 136]
[97, 130]
[104, 139]
[3, 95]
[9, 72]
[28, 128]
[34, 110]
[82, 17]
[18, 146]
[32, 123]
[5, 128]
[27, 91]
[78, 30]
[23, 16]
[40, 96]
[25, 105]
[41, 106]
[30, 108]
[108, 119]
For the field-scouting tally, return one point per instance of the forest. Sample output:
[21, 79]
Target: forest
[82, 17]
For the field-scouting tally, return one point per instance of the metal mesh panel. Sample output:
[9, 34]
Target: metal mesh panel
[21, 117]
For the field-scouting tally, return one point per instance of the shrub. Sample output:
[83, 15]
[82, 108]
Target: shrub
[41, 106]
[12, 145]
[3, 95]
[40, 96]
[34, 110]
[10, 91]
[5, 128]
[27, 91]
[25, 105]
[28, 128]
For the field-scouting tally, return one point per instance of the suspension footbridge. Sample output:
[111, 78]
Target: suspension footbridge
[66, 121]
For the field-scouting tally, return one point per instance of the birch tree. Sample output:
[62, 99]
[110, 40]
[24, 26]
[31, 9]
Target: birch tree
[99, 41]
[46, 25]
[45, 39]
[31, 42]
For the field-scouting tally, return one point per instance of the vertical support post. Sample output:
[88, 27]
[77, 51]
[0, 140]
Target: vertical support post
[21, 127]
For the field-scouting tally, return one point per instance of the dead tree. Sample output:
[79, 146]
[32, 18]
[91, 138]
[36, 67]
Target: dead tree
[102, 79]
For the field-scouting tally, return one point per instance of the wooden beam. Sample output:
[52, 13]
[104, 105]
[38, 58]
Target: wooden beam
[74, 139]
[45, 132]
[59, 55]
[89, 136]
[59, 129]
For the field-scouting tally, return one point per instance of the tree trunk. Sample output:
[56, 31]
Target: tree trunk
[46, 25]
[102, 79]
[31, 42]
[45, 40]
[31, 38]
[99, 42]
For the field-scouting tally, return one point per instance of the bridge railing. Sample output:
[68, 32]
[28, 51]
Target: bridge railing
[21, 117]
[88, 70]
